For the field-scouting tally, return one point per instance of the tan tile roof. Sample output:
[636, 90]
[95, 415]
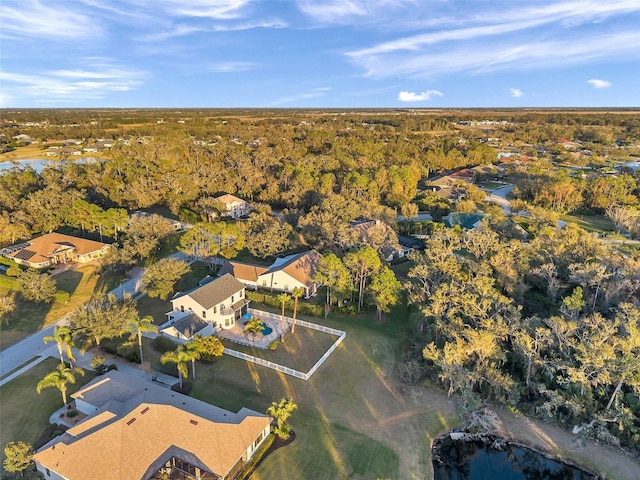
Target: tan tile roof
[155, 425]
[243, 271]
[302, 266]
[228, 199]
[41, 248]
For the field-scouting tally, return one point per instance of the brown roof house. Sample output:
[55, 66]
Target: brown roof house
[139, 430]
[283, 275]
[53, 248]
[214, 305]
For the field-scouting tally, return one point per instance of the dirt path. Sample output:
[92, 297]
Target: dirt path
[562, 443]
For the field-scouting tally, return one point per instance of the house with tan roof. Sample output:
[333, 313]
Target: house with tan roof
[214, 305]
[285, 274]
[235, 207]
[139, 430]
[54, 248]
[247, 273]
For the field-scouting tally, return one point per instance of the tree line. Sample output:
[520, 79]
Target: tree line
[551, 326]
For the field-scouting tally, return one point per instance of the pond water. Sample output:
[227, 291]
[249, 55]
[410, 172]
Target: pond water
[39, 164]
[459, 460]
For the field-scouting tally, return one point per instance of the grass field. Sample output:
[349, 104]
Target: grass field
[28, 317]
[352, 420]
[25, 414]
[591, 223]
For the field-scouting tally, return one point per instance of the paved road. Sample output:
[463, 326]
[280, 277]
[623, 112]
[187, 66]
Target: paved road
[499, 196]
[33, 346]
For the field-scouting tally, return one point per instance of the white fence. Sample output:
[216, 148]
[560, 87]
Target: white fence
[281, 368]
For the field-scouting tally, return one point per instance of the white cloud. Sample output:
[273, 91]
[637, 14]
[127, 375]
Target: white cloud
[249, 25]
[516, 92]
[229, 67]
[597, 83]
[529, 35]
[31, 18]
[481, 57]
[316, 92]
[351, 11]
[218, 9]
[95, 80]
[405, 96]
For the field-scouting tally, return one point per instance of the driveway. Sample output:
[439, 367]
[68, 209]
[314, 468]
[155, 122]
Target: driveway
[499, 196]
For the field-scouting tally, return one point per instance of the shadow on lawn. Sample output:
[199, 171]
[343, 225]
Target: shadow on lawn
[275, 445]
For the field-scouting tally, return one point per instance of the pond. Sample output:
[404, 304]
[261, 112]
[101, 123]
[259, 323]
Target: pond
[39, 164]
[461, 460]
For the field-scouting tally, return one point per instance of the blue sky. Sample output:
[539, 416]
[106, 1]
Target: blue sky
[319, 53]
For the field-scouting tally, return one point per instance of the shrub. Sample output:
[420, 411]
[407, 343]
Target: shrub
[272, 301]
[311, 309]
[162, 344]
[129, 352]
[61, 296]
[72, 413]
[14, 271]
[99, 365]
[113, 366]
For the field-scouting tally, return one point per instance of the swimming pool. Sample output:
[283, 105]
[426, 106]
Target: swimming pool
[266, 329]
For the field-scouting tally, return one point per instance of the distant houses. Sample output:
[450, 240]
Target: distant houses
[54, 248]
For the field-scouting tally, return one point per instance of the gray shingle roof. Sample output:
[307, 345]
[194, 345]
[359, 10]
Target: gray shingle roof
[217, 291]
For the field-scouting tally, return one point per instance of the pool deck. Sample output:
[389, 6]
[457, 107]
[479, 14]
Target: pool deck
[236, 334]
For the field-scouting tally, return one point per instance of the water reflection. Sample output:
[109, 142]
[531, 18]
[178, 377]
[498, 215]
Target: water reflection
[39, 164]
[458, 460]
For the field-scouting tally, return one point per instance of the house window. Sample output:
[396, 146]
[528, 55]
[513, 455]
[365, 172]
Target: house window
[204, 314]
[264, 283]
[241, 293]
[48, 472]
[182, 308]
[215, 309]
[286, 287]
[227, 322]
[232, 299]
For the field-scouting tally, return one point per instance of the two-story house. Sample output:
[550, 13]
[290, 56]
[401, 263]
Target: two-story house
[234, 207]
[218, 304]
[284, 275]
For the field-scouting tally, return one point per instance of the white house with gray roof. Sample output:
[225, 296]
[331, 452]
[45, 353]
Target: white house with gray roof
[214, 305]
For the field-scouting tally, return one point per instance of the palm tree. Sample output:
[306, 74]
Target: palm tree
[296, 294]
[63, 336]
[59, 379]
[194, 350]
[283, 298]
[139, 325]
[180, 357]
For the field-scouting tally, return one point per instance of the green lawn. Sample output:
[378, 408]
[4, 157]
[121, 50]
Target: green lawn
[29, 317]
[25, 414]
[591, 223]
[155, 307]
[300, 350]
[352, 422]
